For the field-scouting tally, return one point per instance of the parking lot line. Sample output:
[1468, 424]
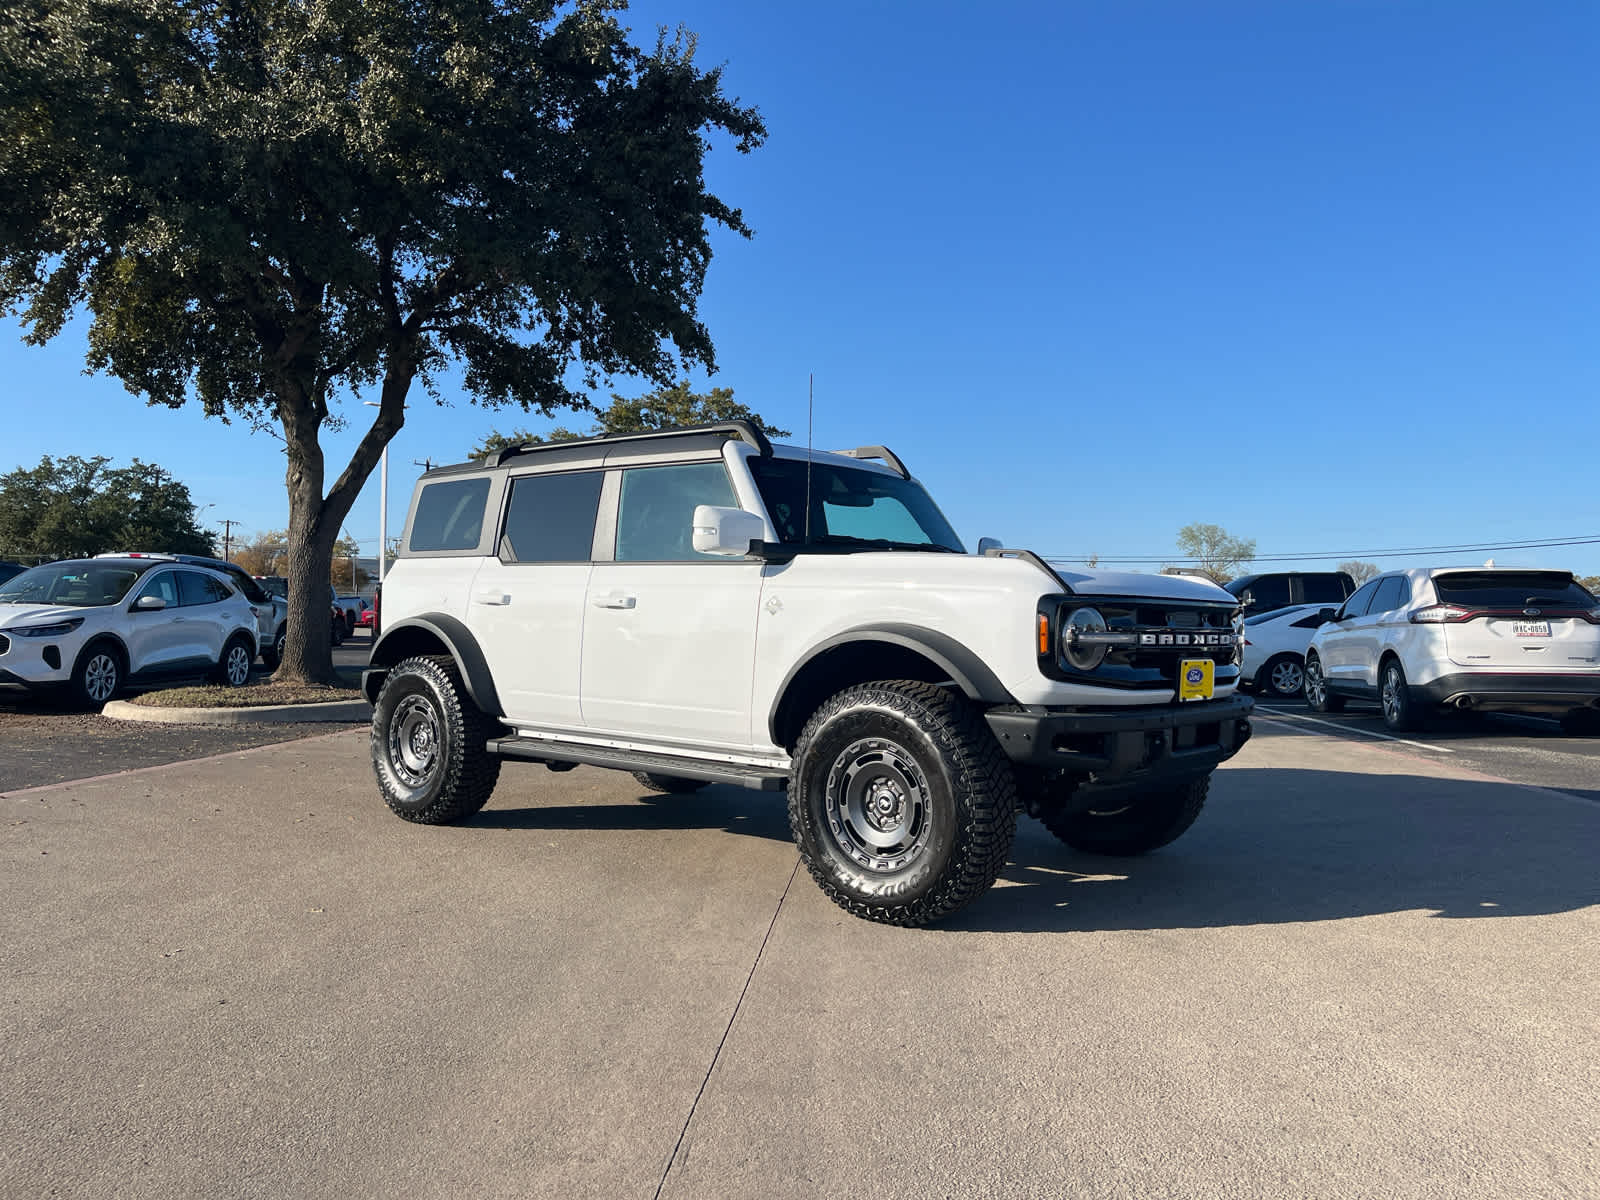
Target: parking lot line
[1283, 714]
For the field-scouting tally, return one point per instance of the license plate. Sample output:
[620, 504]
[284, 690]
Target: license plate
[1530, 628]
[1196, 678]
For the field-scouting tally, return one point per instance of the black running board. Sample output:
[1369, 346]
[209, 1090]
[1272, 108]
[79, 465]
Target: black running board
[763, 779]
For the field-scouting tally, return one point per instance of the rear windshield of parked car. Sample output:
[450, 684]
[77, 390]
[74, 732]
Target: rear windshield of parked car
[1511, 589]
[450, 515]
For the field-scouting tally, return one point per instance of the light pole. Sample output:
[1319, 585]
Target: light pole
[383, 503]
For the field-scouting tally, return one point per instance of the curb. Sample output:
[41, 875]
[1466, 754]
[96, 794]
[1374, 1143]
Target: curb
[346, 711]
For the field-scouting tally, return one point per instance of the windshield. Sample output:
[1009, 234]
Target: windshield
[75, 584]
[850, 507]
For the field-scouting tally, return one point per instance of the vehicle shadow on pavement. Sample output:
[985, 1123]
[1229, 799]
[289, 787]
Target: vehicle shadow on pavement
[1279, 846]
[734, 809]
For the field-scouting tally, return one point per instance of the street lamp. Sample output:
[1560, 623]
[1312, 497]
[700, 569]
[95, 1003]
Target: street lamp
[383, 503]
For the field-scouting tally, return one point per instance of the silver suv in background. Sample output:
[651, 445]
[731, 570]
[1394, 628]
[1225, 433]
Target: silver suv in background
[1482, 639]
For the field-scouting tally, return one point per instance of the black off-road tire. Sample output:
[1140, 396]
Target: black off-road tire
[98, 675]
[1318, 697]
[272, 652]
[675, 785]
[1131, 825]
[233, 668]
[428, 743]
[942, 801]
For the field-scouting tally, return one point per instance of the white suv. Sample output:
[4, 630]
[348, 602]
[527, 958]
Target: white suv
[1487, 639]
[700, 605]
[94, 624]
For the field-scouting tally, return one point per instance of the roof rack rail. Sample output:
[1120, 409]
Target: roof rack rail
[744, 431]
[883, 453]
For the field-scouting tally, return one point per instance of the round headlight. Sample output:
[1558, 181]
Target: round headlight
[1081, 657]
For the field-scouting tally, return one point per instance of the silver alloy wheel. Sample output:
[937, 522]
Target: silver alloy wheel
[100, 677]
[1287, 678]
[283, 640]
[237, 665]
[877, 807]
[1393, 705]
[1316, 685]
[414, 740]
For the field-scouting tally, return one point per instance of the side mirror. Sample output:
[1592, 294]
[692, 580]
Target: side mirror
[1329, 614]
[149, 604]
[987, 544]
[726, 531]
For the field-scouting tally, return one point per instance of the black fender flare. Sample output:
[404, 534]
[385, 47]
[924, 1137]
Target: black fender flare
[459, 643]
[965, 666]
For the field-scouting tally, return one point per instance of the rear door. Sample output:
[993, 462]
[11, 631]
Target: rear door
[526, 605]
[1519, 621]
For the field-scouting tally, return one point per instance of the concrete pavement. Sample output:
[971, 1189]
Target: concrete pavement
[1362, 973]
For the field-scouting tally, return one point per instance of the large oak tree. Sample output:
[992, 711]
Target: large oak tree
[266, 205]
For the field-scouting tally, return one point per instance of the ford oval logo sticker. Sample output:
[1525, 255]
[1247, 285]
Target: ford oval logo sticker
[1195, 675]
[1531, 612]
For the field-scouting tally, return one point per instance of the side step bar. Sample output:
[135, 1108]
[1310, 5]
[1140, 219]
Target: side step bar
[762, 779]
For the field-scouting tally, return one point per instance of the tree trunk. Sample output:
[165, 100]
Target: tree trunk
[308, 652]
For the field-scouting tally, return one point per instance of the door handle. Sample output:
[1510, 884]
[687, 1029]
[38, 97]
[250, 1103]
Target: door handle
[489, 596]
[615, 600]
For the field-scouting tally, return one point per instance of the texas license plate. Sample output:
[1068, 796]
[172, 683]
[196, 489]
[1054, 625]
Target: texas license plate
[1530, 628]
[1196, 678]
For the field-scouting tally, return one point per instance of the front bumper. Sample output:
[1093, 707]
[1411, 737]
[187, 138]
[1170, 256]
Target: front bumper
[1113, 745]
[1519, 691]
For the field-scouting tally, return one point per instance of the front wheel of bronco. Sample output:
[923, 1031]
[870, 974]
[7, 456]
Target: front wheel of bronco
[675, 785]
[428, 744]
[1135, 825]
[901, 802]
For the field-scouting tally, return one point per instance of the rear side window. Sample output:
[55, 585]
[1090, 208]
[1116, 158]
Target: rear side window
[1511, 589]
[1324, 589]
[195, 588]
[450, 515]
[551, 517]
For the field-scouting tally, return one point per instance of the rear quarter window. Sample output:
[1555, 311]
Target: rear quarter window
[449, 515]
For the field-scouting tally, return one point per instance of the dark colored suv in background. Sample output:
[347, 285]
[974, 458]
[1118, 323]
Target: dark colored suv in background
[1272, 590]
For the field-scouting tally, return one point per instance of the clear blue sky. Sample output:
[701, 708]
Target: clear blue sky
[1325, 274]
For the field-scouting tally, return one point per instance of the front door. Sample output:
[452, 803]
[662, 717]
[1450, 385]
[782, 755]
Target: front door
[669, 634]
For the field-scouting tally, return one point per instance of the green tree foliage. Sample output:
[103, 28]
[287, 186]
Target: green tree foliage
[266, 204]
[1360, 571]
[75, 507]
[1214, 551]
[675, 404]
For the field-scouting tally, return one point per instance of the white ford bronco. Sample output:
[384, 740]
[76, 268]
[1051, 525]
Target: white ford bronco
[701, 606]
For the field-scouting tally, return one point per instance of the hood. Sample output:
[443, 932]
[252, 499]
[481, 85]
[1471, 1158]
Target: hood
[1132, 583]
[15, 615]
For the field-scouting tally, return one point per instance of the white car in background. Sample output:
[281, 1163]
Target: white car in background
[1480, 639]
[95, 624]
[1275, 649]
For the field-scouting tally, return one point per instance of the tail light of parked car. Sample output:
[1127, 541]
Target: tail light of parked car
[1455, 614]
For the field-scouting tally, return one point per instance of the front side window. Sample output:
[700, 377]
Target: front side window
[165, 585]
[1356, 606]
[849, 506]
[551, 517]
[1390, 594]
[449, 515]
[655, 518]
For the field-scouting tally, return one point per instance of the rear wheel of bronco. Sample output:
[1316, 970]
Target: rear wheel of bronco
[673, 784]
[901, 802]
[428, 742]
[1134, 825]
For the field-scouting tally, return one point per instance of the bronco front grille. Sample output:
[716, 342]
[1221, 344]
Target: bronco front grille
[1167, 634]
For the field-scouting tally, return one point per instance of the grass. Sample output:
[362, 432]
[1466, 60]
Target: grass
[252, 695]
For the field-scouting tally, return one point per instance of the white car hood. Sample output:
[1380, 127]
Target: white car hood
[1132, 583]
[13, 616]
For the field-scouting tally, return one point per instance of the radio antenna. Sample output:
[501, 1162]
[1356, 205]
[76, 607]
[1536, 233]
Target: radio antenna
[811, 396]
